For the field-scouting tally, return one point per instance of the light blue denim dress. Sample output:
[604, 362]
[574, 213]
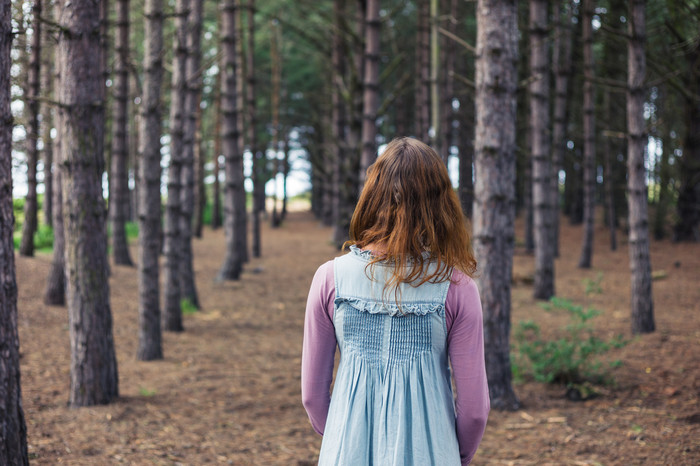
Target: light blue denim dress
[392, 397]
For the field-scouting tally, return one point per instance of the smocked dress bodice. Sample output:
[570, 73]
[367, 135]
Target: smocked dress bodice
[392, 399]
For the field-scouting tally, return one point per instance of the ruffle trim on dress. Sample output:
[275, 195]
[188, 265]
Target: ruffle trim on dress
[368, 256]
[391, 308]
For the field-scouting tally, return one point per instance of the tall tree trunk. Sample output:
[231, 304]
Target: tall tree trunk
[193, 77]
[422, 94]
[609, 179]
[343, 178]
[257, 154]
[275, 78]
[216, 188]
[149, 174]
[240, 198]
[200, 193]
[494, 204]
[285, 174]
[541, 174]
[47, 124]
[371, 89]
[561, 64]
[589, 180]
[134, 144]
[640, 263]
[172, 316]
[435, 127]
[31, 103]
[234, 195]
[448, 95]
[94, 378]
[119, 179]
[13, 430]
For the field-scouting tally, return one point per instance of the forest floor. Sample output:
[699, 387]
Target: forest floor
[228, 389]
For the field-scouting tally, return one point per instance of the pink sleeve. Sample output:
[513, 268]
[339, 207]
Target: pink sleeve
[465, 345]
[318, 352]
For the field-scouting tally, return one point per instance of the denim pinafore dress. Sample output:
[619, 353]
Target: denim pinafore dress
[392, 397]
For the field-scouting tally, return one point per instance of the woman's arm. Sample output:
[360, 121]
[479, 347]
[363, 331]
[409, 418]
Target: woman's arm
[318, 352]
[465, 343]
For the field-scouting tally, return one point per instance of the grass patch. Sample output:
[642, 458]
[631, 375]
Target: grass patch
[187, 307]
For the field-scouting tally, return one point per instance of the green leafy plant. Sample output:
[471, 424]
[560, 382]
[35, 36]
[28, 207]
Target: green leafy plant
[187, 307]
[43, 238]
[571, 358]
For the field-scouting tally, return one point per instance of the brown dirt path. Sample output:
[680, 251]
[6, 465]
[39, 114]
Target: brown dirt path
[228, 389]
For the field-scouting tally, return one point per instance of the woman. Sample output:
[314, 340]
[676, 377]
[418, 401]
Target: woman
[398, 305]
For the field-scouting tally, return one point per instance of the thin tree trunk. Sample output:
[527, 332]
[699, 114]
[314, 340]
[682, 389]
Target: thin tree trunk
[240, 197]
[47, 124]
[258, 155]
[609, 179]
[275, 78]
[149, 174]
[285, 174]
[448, 95]
[371, 89]
[31, 103]
[494, 204]
[435, 128]
[561, 64]
[589, 181]
[423, 71]
[541, 174]
[13, 430]
[200, 193]
[94, 378]
[119, 179]
[234, 195]
[216, 188]
[193, 87]
[172, 316]
[640, 262]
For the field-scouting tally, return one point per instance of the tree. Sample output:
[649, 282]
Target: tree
[193, 78]
[494, 202]
[640, 263]
[172, 317]
[118, 181]
[589, 180]
[561, 65]
[149, 205]
[234, 193]
[47, 124]
[541, 173]
[29, 227]
[258, 155]
[94, 378]
[13, 430]
[371, 88]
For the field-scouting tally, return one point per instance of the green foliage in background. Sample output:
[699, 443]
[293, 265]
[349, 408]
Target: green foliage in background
[569, 359]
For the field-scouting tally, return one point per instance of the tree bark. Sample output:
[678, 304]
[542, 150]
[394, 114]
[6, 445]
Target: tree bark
[589, 181]
[172, 316]
[561, 65]
[94, 378]
[119, 178]
[640, 262]
[234, 195]
[422, 95]
[13, 430]
[240, 198]
[609, 179]
[200, 193]
[371, 89]
[31, 103]
[193, 85]
[149, 174]
[216, 188]
[541, 174]
[47, 124]
[257, 154]
[494, 204]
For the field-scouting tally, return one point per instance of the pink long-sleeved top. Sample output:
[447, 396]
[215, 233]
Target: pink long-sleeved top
[465, 344]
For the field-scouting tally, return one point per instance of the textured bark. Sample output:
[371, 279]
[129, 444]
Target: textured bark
[371, 88]
[31, 104]
[422, 95]
[541, 173]
[94, 378]
[234, 194]
[494, 204]
[193, 86]
[589, 181]
[435, 123]
[561, 65]
[149, 173]
[119, 177]
[609, 179]
[172, 313]
[276, 81]
[239, 200]
[640, 262]
[200, 194]
[13, 430]
[446, 139]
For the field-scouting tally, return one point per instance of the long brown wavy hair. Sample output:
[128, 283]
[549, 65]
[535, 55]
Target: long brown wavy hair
[409, 209]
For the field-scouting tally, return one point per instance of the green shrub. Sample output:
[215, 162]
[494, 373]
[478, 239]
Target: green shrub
[43, 238]
[568, 360]
[132, 231]
[187, 307]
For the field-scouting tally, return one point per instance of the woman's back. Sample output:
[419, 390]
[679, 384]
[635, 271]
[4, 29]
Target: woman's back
[392, 401]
